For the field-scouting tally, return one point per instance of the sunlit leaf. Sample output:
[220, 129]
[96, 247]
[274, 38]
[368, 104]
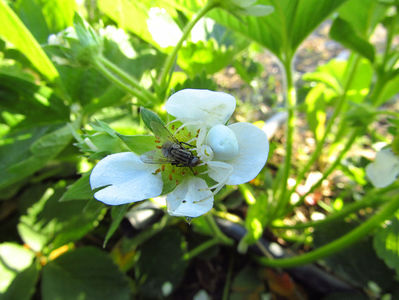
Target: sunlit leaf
[283, 30]
[14, 31]
[363, 15]
[386, 244]
[51, 223]
[17, 163]
[18, 272]
[134, 16]
[208, 57]
[316, 110]
[256, 218]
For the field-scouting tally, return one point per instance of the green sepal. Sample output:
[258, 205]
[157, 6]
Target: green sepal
[149, 116]
[117, 213]
[138, 143]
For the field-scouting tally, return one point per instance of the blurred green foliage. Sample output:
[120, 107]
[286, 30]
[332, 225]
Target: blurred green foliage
[73, 75]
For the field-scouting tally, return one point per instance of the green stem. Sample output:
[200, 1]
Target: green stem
[339, 244]
[290, 104]
[127, 78]
[319, 147]
[388, 113]
[187, 29]
[347, 210]
[216, 230]
[388, 43]
[118, 82]
[336, 162]
[377, 90]
[246, 192]
[226, 289]
[201, 248]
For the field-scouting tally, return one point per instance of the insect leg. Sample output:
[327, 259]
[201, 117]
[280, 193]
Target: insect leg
[187, 144]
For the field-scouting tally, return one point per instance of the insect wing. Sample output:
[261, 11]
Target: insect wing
[162, 132]
[154, 157]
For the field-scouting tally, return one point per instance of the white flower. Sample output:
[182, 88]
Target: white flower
[385, 168]
[235, 153]
[125, 179]
[231, 154]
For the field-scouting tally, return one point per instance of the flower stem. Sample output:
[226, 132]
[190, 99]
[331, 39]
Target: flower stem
[201, 248]
[98, 63]
[216, 230]
[339, 244]
[187, 29]
[290, 104]
[127, 78]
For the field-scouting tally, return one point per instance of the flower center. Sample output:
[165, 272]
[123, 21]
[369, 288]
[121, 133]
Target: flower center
[223, 142]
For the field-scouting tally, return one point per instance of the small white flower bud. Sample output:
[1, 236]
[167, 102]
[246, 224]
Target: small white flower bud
[223, 142]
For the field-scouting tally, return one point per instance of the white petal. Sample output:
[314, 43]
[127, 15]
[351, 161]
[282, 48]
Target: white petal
[191, 198]
[201, 107]
[127, 178]
[384, 170]
[253, 151]
[219, 171]
[223, 142]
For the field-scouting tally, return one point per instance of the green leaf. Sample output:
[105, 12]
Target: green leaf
[335, 73]
[85, 273]
[79, 190]
[156, 269]
[17, 163]
[14, 31]
[58, 13]
[23, 285]
[386, 244]
[139, 144]
[357, 264]
[246, 284]
[129, 15]
[83, 84]
[343, 32]
[102, 126]
[200, 81]
[31, 14]
[90, 44]
[37, 103]
[256, 218]
[117, 214]
[283, 30]
[247, 68]
[51, 223]
[390, 89]
[316, 110]
[18, 272]
[148, 116]
[363, 15]
[207, 57]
